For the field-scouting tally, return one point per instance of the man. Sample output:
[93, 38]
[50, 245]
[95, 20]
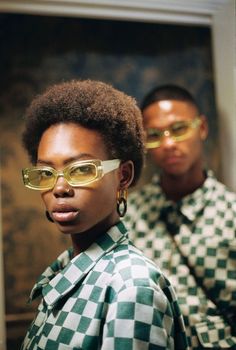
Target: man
[185, 219]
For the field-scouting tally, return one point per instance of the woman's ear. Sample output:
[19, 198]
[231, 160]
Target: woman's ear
[126, 174]
[203, 127]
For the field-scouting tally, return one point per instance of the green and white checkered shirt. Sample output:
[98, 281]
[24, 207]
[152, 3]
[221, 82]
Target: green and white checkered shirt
[193, 242]
[109, 297]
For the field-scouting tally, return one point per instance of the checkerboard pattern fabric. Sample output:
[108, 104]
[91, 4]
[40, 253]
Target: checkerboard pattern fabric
[109, 297]
[193, 241]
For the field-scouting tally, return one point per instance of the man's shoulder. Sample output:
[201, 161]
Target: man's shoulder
[220, 190]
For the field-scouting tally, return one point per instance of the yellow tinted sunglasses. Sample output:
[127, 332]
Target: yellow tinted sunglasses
[179, 131]
[76, 174]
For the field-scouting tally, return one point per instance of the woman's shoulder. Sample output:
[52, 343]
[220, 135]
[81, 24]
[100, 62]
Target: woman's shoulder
[134, 268]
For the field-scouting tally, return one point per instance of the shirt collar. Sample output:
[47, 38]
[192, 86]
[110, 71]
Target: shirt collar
[191, 205]
[59, 278]
[194, 203]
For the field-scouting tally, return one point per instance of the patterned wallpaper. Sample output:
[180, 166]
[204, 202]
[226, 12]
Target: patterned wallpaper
[37, 51]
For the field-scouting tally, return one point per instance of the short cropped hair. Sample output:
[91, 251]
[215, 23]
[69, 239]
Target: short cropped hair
[94, 105]
[168, 92]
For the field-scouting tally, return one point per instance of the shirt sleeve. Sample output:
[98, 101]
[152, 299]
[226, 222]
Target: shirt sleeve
[140, 318]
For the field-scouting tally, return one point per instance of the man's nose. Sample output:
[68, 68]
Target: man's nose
[167, 139]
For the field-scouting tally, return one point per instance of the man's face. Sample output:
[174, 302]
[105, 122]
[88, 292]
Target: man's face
[175, 157]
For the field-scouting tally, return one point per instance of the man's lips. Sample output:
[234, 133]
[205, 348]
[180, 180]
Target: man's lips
[64, 213]
[173, 159]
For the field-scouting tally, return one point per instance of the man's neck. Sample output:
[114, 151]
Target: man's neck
[178, 186]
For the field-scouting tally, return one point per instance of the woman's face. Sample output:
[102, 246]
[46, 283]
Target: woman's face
[78, 209]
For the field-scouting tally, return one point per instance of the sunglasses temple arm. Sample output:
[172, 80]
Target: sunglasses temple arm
[110, 165]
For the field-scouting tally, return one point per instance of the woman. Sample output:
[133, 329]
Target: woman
[85, 140]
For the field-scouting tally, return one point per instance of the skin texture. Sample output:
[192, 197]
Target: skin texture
[82, 212]
[181, 163]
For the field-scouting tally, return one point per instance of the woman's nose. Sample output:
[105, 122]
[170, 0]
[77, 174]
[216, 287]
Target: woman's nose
[62, 188]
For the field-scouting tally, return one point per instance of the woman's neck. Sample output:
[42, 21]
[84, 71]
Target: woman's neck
[81, 241]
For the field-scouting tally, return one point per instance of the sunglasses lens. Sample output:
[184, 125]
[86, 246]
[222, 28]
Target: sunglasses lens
[153, 138]
[82, 173]
[40, 178]
[180, 130]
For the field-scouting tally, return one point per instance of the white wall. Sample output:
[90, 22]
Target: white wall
[224, 49]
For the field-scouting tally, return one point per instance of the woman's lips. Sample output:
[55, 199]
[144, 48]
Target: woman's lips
[64, 214]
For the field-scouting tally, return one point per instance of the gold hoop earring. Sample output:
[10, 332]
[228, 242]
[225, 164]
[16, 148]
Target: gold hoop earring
[121, 202]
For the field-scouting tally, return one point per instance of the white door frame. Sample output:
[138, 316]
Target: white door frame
[2, 299]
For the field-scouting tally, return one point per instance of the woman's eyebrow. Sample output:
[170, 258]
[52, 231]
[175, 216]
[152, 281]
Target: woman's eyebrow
[81, 156]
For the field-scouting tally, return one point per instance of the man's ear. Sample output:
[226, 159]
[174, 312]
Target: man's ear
[203, 127]
[126, 174]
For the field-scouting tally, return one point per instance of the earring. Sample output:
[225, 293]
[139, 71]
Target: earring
[121, 202]
[48, 216]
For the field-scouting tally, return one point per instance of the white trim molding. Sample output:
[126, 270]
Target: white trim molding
[192, 12]
[219, 15]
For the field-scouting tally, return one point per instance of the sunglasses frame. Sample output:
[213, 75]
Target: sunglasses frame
[102, 168]
[192, 124]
